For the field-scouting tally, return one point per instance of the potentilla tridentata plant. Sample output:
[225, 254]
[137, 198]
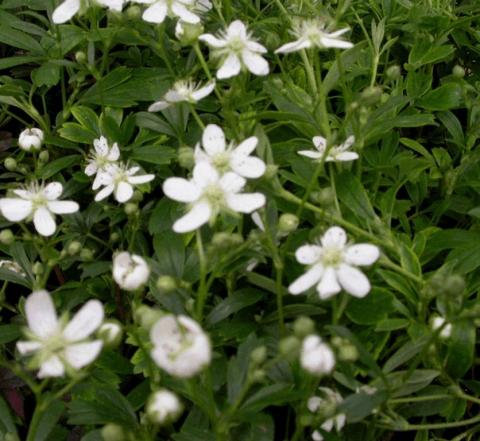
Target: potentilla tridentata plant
[239, 220]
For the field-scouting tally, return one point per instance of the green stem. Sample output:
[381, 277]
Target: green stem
[197, 117]
[202, 288]
[432, 426]
[310, 72]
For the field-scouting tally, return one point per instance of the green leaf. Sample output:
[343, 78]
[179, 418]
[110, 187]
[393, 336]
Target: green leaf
[170, 252]
[352, 193]
[77, 133]
[52, 168]
[233, 303]
[153, 154]
[406, 352]
[416, 380]
[371, 309]
[6, 420]
[9, 333]
[275, 394]
[423, 52]
[47, 74]
[461, 348]
[444, 97]
[86, 117]
[358, 406]
[48, 420]
[19, 39]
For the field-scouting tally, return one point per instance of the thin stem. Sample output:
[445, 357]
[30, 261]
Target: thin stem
[205, 67]
[197, 117]
[202, 288]
[310, 72]
[432, 426]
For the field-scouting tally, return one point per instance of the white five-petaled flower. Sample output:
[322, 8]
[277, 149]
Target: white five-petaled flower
[316, 356]
[67, 9]
[330, 398]
[229, 158]
[41, 202]
[181, 347]
[312, 33]
[163, 407]
[208, 193]
[99, 158]
[130, 271]
[183, 91]
[55, 344]
[119, 179]
[237, 49]
[158, 10]
[438, 322]
[332, 265]
[30, 139]
[336, 153]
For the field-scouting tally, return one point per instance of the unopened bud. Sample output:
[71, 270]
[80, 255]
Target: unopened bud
[303, 326]
[31, 139]
[37, 268]
[166, 284]
[271, 171]
[224, 240]
[289, 347]
[86, 254]
[111, 333]
[133, 12]
[10, 164]
[74, 247]
[188, 33]
[454, 285]
[44, 156]
[324, 197]
[112, 432]
[458, 71]
[80, 57]
[6, 237]
[394, 72]
[258, 375]
[287, 223]
[371, 95]
[147, 316]
[259, 355]
[163, 407]
[114, 237]
[130, 208]
[186, 157]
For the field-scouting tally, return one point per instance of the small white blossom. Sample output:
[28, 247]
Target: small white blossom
[312, 33]
[316, 357]
[130, 271]
[110, 332]
[100, 158]
[237, 49]
[55, 344]
[332, 265]
[118, 179]
[233, 157]
[13, 266]
[163, 407]
[438, 322]
[336, 153]
[183, 91]
[330, 397]
[208, 193]
[41, 203]
[181, 347]
[158, 10]
[67, 9]
[31, 139]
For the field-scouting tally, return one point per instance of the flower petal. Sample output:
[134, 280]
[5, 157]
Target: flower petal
[197, 95]
[141, 179]
[14, 209]
[312, 154]
[246, 147]
[82, 354]
[307, 280]
[294, 46]
[53, 191]
[40, 313]
[213, 139]
[256, 47]
[320, 143]
[230, 67]
[104, 192]
[114, 152]
[27, 347]
[335, 43]
[249, 167]
[158, 105]
[362, 254]
[91, 169]
[65, 11]
[185, 15]
[237, 29]
[308, 254]
[198, 215]
[53, 367]
[181, 190]
[63, 207]
[204, 174]
[87, 319]
[347, 144]
[346, 156]
[156, 13]
[353, 280]
[101, 146]
[245, 202]
[334, 237]
[44, 221]
[255, 63]
[212, 41]
[328, 286]
[123, 192]
[232, 183]
[164, 329]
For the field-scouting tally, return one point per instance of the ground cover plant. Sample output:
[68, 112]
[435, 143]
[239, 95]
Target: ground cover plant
[239, 220]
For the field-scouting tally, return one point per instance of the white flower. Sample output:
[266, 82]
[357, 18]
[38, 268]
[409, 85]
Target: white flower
[438, 322]
[110, 332]
[180, 346]
[237, 49]
[40, 202]
[163, 407]
[30, 139]
[316, 357]
[311, 33]
[207, 194]
[13, 266]
[332, 265]
[118, 179]
[56, 344]
[330, 398]
[102, 156]
[67, 9]
[130, 271]
[336, 153]
[159, 9]
[229, 158]
[183, 91]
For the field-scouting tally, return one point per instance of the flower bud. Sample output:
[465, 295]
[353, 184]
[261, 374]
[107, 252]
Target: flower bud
[74, 247]
[130, 208]
[166, 284]
[133, 12]
[163, 407]
[394, 72]
[438, 322]
[10, 164]
[112, 432]
[111, 333]
[287, 223]
[225, 241]
[31, 139]
[258, 375]
[147, 316]
[316, 356]
[455, 285]
[458, 71]
[37, 268]
[186, 157]
[6, 237]
[137, 196]
[86, 254]
[114, 237]
[325, 196]
[371, 95]
[347, 352]
[259, 355]
[188, 33]
[44, 156]
[9, 436]
[289, 347]
[80, 57]
[130, 271]
[303, 326]
[271, 171]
